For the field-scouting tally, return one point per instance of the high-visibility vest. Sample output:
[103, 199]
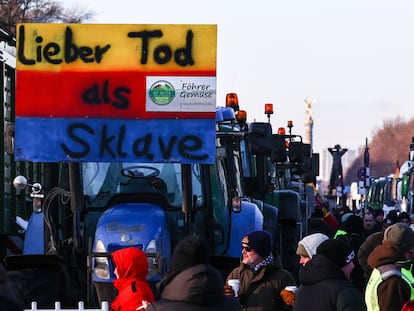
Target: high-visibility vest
[340, 232]
[371, 290]
[409, 278]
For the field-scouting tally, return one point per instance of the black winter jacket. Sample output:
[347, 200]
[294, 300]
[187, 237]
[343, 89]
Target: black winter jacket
[199, 288]
[324, 287]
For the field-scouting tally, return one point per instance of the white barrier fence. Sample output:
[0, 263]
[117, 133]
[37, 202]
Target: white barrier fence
[104, 307]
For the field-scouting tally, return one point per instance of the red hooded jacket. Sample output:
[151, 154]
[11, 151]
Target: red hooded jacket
[132, 267]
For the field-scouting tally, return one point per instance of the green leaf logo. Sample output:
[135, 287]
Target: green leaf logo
[162, 92]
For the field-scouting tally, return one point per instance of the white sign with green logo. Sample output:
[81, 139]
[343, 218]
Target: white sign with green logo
[181, 94]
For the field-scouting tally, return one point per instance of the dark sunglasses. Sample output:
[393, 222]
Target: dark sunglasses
[246, 248]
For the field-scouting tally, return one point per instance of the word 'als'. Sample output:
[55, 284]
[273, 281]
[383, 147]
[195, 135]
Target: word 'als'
[97, 94]
[54, 53]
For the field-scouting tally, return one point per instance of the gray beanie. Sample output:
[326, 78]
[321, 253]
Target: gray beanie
[307, 246]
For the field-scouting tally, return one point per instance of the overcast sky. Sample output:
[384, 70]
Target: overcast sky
[356, 58]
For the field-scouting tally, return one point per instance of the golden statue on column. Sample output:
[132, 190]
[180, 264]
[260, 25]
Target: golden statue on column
[308, 138]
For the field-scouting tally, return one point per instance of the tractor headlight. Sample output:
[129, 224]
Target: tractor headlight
[154, 262]
[101, 265]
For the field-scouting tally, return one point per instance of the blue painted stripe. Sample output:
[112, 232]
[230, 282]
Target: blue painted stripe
[112, 140]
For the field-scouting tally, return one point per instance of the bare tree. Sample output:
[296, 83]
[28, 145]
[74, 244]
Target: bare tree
[388, 145]
[77, 14]
[40, 11]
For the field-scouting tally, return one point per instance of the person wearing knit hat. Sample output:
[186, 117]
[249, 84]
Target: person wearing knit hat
[352, 234]
[338, 252]
[373, 241]
[391, 218]
[260, 273]
[404, 218]
[259, 241]
[401, 235]
[307, 246]
[306, 250]
[324, 280]
[390, 286]
[191, 283]
[189, 252]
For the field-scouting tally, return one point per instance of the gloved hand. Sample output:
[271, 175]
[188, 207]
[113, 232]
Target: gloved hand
[288, 297]
[228, 291]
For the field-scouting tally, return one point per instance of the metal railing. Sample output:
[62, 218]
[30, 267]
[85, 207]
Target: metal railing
[104, 307]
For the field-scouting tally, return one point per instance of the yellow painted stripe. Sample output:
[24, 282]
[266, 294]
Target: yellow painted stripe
[39, 45]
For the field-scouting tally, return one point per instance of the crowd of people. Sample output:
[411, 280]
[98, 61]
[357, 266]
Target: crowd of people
[347, 261]
[356, 262]
[381, 267]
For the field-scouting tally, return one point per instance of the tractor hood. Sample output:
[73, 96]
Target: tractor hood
[131, 224]
[141, 225]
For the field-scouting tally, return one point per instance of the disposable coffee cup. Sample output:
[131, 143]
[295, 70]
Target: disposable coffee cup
[292, 289]
[235, 284]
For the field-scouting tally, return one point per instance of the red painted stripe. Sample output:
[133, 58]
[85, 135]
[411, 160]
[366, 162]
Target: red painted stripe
[60, 94]
[13, 247]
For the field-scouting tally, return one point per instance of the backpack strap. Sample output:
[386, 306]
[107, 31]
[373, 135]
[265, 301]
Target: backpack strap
[387, 274]
[243, 297]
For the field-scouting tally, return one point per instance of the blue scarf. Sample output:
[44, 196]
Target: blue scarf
[256, 268]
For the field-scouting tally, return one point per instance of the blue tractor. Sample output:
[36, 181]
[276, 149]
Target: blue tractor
[94, 208]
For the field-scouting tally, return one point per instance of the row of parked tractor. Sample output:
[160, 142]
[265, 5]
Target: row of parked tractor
[72, 215]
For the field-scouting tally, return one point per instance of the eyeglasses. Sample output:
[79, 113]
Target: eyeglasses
[246, 248]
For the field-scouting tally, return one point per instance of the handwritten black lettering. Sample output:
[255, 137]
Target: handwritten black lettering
[97, 94]
[191, 143]
[145, 142]
[145, 35]
[73, 136]
[163, 53]
[105, 91]
[166, 152]
[121, 141]
[91, 95]
[52, 52]
[70, 51]
[122, 101]
[114, 143]
[183, 56]
[105, 143]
